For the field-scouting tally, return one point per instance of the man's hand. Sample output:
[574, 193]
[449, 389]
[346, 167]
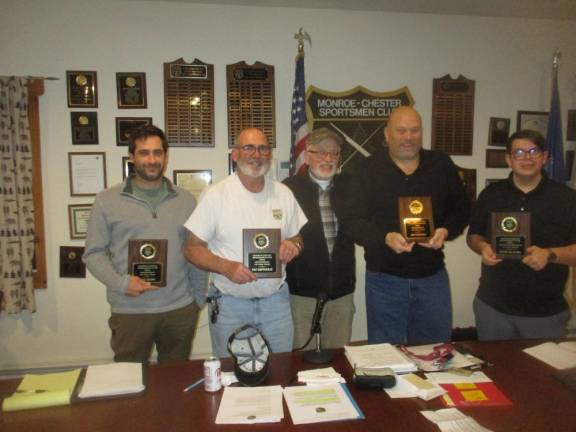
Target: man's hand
[288, 251]
[137, 286]
[397, 243]
[488, 255]
[238, 272]
[536, 258]
[437, 240]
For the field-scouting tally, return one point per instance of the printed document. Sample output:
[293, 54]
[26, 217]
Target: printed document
[378, 356]
[247, 405]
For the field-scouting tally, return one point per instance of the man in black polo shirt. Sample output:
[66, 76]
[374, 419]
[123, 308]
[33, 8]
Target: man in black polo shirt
[524, 298]
[407, 289]
[326, 268]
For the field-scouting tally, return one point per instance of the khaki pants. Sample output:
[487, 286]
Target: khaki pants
[336, 321]
[133, 335]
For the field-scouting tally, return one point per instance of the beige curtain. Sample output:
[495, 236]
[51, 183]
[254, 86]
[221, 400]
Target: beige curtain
[16, 204]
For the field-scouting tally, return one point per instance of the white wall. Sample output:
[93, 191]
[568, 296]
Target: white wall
[510, 59]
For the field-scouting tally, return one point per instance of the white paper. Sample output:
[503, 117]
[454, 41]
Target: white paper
[454, 378]
[559, 356]
[379, 356]
[411, 385]
[320, 376]
[112, 379]
[248, 405]
[87, 171]
[319, 404]
[452, 420]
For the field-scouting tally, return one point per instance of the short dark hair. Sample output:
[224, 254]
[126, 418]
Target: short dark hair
[533, 136]
[143, 132]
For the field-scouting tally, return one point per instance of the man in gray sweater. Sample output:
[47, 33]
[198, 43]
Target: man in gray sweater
[145, 206]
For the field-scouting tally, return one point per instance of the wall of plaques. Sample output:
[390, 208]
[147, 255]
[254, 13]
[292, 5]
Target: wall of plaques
[453, 115]
[189, 103]
[251, 103]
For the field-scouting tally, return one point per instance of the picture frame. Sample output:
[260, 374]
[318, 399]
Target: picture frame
[87, 173]
[533, 120]
[489, 181]
[78, 216]
[194, 181]
[125, 125]
[569, 158]
[82, 89]
[127, 167]
[496, 158]
[131, 90]
[84, 127]
[571, 126]
[231, 165]
[499, 131]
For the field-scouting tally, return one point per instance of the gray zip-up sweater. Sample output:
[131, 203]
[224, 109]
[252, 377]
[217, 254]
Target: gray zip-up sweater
[118, 216]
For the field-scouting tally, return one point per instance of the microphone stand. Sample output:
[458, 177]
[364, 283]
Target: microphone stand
[318, 355]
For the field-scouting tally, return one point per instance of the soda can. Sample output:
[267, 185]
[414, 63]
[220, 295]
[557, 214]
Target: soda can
[212, 382]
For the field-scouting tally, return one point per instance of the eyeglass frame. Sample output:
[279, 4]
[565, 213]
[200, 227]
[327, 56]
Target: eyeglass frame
[531, 153]
[250, 149]
[323, 153]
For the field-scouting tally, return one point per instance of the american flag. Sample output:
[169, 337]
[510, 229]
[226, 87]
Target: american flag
[299, 120]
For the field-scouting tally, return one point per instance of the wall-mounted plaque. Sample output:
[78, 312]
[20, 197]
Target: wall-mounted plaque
[510, 234]
[453, 115]
[147, 259]
[78, 216]
[84, 127]
[189, 103]
[416, 218]
[468, 177]
[262, 252]
[496, 158]
[131, 90]
[127, 167]
[71, 265]
[533, 120]
[125, 126]
[571, 126]
[194, 181]
[82, 89]
[251, 99]
[499, 131]
[87, 173]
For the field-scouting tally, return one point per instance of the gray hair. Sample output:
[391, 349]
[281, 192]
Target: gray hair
[321, 134]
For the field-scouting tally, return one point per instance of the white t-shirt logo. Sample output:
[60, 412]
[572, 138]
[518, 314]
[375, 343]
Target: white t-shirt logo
[277, 214]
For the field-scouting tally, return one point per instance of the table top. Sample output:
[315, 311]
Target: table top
[540, 402]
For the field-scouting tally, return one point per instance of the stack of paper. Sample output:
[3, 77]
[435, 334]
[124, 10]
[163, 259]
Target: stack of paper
[321, 403]
[320, 376]
[411, 385]
[112, 379]
[559, 356]
[37, 391]
[452, 420]
[248, 405]
[457, 360]
[379, 356]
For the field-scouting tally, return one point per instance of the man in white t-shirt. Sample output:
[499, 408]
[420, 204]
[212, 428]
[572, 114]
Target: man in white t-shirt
[246, 199]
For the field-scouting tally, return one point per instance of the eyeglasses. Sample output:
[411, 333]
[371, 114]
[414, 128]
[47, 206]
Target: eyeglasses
[250, 149]
[530, 153]
[322, 153]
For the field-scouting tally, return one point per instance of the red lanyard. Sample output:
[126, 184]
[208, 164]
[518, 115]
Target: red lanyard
[440, 353]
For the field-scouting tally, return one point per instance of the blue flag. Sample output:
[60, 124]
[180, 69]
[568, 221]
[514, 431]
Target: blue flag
[555, 166]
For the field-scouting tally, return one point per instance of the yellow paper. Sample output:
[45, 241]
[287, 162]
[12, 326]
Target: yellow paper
[36, 391]
[474, 396]
[465, 386]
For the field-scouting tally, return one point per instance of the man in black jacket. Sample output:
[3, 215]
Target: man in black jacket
[326, 267]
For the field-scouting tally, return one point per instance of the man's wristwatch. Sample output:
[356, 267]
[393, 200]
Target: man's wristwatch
[552, 257]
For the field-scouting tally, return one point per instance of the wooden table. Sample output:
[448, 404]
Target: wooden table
[541, 403]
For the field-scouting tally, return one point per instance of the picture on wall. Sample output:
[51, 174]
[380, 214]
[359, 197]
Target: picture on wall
[533, 120]
[125, 126]
[78, 215]
[571, 126]
[127, 167]
[496, 158]
[84, 126]
[194, 181]
[82, 88]
[131, 90]
[87, 173]
[499, 131]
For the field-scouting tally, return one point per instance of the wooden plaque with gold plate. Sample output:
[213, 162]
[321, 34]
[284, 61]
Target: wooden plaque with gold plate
[262, 252]
[510, 234]
[416, 218]
[147, 259]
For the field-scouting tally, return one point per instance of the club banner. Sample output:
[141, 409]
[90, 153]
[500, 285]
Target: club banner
[358, 115]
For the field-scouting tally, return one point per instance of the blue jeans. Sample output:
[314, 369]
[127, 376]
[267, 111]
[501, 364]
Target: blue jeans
[408, 311]
[271, 315]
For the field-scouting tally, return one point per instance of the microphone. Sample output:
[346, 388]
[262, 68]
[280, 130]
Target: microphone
[318, 355]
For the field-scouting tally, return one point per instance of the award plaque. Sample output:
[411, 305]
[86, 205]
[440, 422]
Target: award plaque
[147, 259]
[84, 127]
[131, 90]
[71, 265]
[82, 89]
[510, 234]
[416, 218]
[261, 252]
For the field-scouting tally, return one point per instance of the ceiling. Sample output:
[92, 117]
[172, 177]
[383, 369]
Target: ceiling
[543, 9]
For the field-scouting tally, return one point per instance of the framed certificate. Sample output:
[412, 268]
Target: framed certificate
[194, 181]
[125, 126]
[78, 215]
[87, 173]
[131, 90]
[533, 120]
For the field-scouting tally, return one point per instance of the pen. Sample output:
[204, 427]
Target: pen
[32, 391]
[195, 384]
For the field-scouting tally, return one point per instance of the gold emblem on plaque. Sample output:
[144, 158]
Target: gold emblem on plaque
[147, 251]
[416, 207]
[509, 224]
[130, 81]
[83, 120]
[72, 255]
[81, 80]
[261, 241]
